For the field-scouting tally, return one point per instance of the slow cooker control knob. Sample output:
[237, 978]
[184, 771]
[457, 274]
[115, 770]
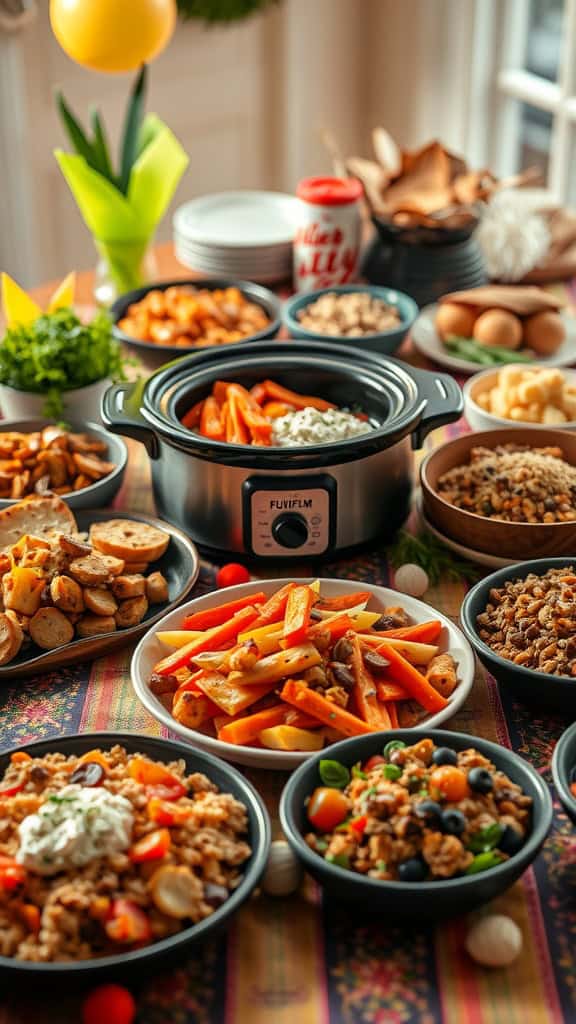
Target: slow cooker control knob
[290, 530]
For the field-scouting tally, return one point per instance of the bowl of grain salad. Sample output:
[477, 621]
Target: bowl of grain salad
[425, 827]
[118, 849]
[369, 316]
[521, 621]
[505, 492]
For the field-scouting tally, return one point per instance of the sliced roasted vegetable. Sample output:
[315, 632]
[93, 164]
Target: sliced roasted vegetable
[152, 846]
[412, 680]
[296, 692]
[211, 638]
[211, 617]
[162, 812]
[277, 666]
[150, 773]
[327, 808]
[176, 891]
[128, 924]
[297, 617]
[12, 874]
[288, 737]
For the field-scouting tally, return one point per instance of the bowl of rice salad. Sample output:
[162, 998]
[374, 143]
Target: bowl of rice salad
[424, 823]
[116, 849]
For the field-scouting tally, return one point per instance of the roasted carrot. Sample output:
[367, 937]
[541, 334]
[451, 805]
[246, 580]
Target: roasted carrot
[259, 427]
[297, 617]
[344, 601]
[412, 680]
[334, 628]
[231, 697]
[216, 616]
[211, 421]
[364, 691]
[281, 394]
[210, 639]
[238, 429]
[422, 632]
[191, 419]
[274, 608]
[273, 410]
[190, 686]
[297, 693]
[246, 729]
[393, 712]
[220, 391]
[390, 691]
[258, 393]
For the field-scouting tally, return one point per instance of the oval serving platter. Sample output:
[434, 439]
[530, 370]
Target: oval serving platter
[179, 564]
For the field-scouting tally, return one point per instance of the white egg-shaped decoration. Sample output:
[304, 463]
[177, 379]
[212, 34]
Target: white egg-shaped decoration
[494, 941]
[411, 579]
[283, 872]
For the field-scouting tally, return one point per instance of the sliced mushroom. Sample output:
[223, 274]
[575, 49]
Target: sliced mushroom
[176, 891]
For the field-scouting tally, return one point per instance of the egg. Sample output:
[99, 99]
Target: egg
[498, 327]
[544, 332]
[411, 579]
[453, 320]
[494, 941]
[283, 872]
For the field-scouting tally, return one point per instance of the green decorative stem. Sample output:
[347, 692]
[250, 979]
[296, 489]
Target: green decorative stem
[125, 263]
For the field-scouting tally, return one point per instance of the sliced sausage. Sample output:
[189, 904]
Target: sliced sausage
[49, 628]
[11, 638]
[156, 588]
[95, 625]
[124, 586]
[100, 601]
[66, 594]
[131, 612]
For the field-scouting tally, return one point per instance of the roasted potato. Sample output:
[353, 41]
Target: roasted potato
[156, 588]
[67, 594]
[125, 586]
[138, 567]
[191, 708]
[49, 628]
[100, 601]
[131, 612]
[22, 590]
[74, 547]
[92, 570]
[11, 637]
[95, 625]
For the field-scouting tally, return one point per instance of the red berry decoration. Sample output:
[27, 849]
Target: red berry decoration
[111, 1004]
[231, 575]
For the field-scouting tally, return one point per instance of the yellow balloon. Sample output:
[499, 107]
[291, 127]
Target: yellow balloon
[113, 35]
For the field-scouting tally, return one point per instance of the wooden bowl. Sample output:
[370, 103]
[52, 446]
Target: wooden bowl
[492, 536]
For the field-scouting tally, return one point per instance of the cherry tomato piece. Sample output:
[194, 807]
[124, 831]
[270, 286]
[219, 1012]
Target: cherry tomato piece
[157, 779]
[11, 788]
[327, 808]
[128, 923]
[374, 761]
[450, 782]
[152, 846]
[111, 1003]
[163, 812]
[231, 575]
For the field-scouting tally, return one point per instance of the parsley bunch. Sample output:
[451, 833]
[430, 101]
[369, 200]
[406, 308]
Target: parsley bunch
[56, 353]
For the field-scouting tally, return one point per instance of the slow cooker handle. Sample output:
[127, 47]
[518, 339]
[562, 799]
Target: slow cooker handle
[114, 403]
[444, 402]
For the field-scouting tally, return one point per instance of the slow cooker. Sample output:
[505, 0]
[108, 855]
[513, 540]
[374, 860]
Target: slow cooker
[276, 503]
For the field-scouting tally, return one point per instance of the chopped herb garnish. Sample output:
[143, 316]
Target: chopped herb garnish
[334, 774]
[357, 772]
[392, 772]
[486, 839]
[342, 860]
[484, 861]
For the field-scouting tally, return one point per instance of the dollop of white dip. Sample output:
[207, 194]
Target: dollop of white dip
[310, 426]
[73, 827]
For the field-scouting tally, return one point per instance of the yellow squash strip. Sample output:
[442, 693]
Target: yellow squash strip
[278, 666]
[288, 737]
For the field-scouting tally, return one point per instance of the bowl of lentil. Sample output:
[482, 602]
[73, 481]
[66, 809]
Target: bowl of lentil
[369, 316]
[457, 871]
[504, 492]
[564, 771]
[521, 622]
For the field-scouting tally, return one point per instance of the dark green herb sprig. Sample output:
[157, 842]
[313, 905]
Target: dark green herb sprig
[430, 554]
[57, 352]
[96, 150]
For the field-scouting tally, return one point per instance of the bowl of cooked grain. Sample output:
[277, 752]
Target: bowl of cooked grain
[505, 492]
[521, 621]
[369, 316]
[564, 770]
[434, 824]
[123, 849]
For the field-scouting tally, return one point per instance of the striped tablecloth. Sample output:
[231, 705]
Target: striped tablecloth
[301, 959]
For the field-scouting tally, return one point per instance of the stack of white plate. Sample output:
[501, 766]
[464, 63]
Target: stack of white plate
[238, 235]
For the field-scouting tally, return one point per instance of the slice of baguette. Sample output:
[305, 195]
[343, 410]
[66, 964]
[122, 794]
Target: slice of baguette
[35, 515]
[130, 540]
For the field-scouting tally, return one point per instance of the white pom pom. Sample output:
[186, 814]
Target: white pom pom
[411, 579]
[283, 872]
[513, 238]
[494, 941]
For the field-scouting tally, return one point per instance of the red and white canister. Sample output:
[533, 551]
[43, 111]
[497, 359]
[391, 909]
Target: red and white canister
[327, 239]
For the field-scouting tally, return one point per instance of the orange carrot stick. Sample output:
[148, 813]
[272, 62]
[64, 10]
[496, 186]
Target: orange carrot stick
[421, 632]
[393, 712]
[243, 730]
[344, 601]
[297, 693]
[297, 617]
[390, 691]
[191, 419]
[275, 409]
[412, 680]
[275, 607]
[209, 641]
[238, 429]
[365, 693]
[281, 394]
[335, 628]
[216, 616]
[211, 420]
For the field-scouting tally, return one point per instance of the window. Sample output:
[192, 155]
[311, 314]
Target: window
[526, 53]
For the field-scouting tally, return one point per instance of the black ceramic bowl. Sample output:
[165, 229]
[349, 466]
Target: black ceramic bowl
[563, 770]
[228, 780]
[527, 684]
[414, 899]
[156, 355]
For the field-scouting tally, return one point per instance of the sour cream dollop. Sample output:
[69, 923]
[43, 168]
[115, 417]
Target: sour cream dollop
[73, 827]
[312, 426]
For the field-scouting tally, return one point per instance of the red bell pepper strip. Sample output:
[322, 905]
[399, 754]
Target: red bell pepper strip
[12, 874]
[211, 617]
[12, 788]
[162, 812]
[153, 775]
[128, 923]
[297, 617]
[358, 825]
[210, 640]
[211, 420]
[192, 418]
[152, 846]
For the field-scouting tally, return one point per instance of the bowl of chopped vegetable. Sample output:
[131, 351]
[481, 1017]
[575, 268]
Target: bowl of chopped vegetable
[564, 770]
[274, 670]
[369, 316]
[521, 621]
[426, 825]
[58, 366]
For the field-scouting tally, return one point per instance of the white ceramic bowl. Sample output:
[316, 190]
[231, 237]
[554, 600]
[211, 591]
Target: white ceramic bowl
[479, 419]
[79, 403]
[150, 650]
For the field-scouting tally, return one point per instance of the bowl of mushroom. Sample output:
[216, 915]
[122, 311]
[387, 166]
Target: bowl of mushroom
[373, 317]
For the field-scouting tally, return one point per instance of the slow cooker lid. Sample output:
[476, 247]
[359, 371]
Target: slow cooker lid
[382, 388]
